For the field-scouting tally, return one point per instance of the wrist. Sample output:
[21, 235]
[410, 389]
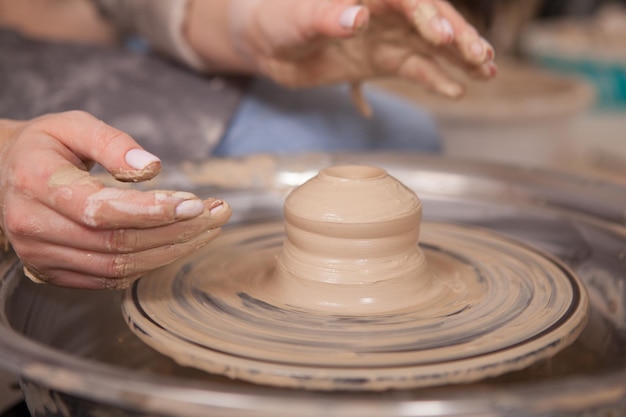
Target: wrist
[7, 131]
[8, 128]
[212, 32]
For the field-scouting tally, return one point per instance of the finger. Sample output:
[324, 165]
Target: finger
[431, 75]
[72, 279]
[50, 228]
[485, 71]
[93, 140]
[74, 193]
[112, 208]
[121, 240]
[470, 46]
[65, 189]
[428, 19]
[55, 261]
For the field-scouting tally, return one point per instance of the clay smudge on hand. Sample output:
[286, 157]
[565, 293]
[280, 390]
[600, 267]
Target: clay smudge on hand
[67, 177]
[189, 206]
[110, 203]
[434, 28]
[144, 164]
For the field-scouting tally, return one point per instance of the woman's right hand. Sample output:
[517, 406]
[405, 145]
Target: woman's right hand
[307, 43]
[68, 229]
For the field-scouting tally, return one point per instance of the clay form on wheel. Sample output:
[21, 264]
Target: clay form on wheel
[342, 296]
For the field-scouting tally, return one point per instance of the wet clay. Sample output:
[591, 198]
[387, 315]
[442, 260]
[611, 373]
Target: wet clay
[351, 243]
[342, 295]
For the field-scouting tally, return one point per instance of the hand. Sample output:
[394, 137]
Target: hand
[68, 228]
[311, 42]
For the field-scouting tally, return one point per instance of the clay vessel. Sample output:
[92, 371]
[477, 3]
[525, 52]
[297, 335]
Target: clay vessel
[351, 243]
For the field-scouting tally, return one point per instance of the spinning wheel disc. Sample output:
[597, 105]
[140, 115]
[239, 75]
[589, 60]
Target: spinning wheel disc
[494, 305]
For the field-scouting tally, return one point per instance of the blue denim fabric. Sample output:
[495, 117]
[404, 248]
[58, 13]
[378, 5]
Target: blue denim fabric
[271, 119]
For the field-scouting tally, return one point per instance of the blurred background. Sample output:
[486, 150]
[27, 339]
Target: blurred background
[559, 101]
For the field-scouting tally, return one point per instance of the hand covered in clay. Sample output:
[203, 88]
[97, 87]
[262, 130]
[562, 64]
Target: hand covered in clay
[313, 42]
[68, 228]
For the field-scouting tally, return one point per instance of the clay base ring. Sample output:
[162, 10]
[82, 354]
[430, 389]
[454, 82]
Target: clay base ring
[489, 315]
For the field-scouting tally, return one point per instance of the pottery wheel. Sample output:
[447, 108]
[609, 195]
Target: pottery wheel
[474, 304]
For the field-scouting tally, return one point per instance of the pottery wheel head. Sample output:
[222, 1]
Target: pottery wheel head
[342, 296]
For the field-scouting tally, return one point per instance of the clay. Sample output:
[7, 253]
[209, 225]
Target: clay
[72, 176]
[342, 296]
[426, 18]
[138, 175]
[110, 202]
[359, 100]
[354, 230]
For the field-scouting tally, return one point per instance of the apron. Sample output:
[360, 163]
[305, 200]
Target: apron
[171, 111]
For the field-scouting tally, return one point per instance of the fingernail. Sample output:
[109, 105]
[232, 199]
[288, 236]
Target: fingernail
[217, 208]
[446, 27]
[442, 28]
[477, 48]
[493, 69]
[189, 208]
[348, 17]
[491, 53]
[140, 159]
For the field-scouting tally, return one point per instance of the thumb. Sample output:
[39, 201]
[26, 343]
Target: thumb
[93, 140]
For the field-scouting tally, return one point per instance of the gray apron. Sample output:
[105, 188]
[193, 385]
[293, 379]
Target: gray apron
[170, 110]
